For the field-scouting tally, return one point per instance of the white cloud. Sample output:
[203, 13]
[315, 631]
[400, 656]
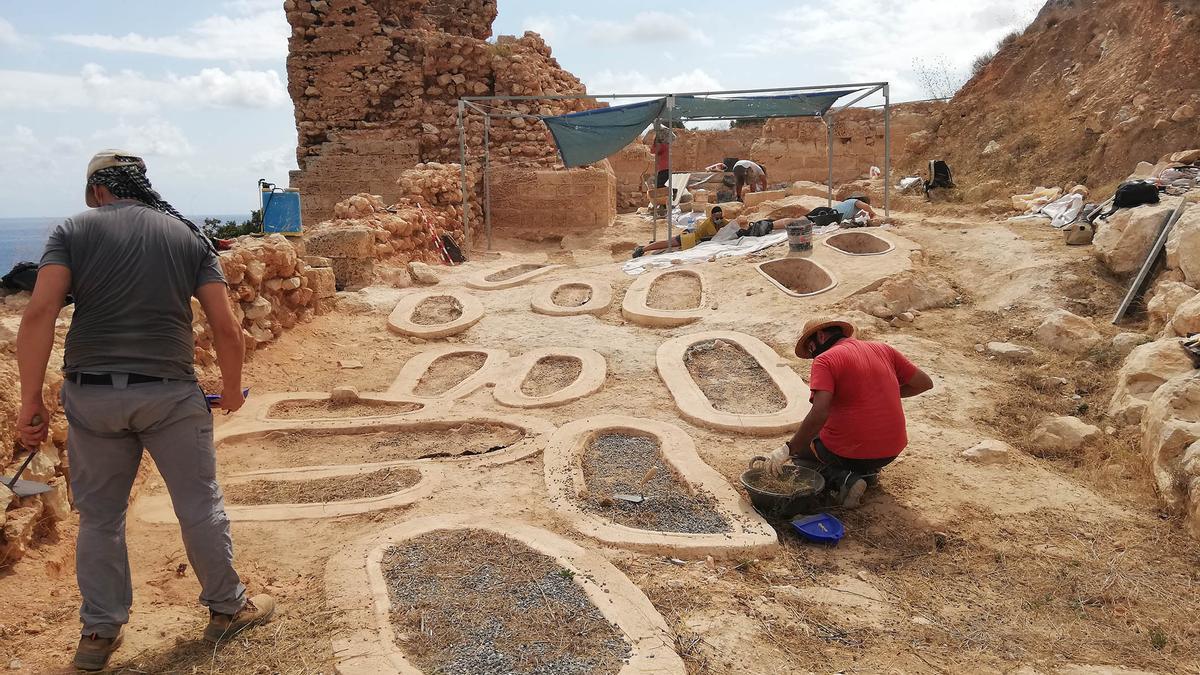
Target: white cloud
[636, 82]
[647, 28]
[274, 163]
[37, 158]
[652, 27]
[255, 31]
[889, 36]
[154, 137]
[10, 38]
[129, 92]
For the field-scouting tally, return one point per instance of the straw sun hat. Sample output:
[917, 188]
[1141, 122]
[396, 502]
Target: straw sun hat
[812, 326]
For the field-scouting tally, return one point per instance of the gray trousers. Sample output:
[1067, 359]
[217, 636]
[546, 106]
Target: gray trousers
[109, 426]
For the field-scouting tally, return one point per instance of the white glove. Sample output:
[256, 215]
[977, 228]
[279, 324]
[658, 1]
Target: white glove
[778, 459]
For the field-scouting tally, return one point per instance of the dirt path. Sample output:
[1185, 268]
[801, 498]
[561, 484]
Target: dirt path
[951, 566]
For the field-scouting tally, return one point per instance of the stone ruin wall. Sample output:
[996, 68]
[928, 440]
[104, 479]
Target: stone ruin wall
[376, 85]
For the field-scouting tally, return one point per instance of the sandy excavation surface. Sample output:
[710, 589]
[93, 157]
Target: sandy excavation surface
[950, 566]
[447, 371]
[512, 272]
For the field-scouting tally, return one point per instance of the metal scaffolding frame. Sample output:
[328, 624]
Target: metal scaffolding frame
[477, 104]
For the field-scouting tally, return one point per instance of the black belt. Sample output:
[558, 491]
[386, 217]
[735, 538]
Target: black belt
[107, 378]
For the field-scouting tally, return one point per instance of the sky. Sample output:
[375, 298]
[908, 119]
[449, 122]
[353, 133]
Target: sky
[200, 88]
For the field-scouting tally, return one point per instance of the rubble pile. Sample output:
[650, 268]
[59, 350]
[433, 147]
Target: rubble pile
[364, 229]
[22, 521]
[271, 289]
[376, 85]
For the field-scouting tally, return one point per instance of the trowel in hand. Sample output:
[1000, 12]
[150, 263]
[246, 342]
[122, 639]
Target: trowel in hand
[26, 488]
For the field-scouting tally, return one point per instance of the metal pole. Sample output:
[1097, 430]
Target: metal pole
[829, 145]
[487, 178]
[887, 151]
[670, 192]
[462, 153]
[553, 97]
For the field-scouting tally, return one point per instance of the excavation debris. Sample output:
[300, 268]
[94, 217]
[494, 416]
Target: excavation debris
[471, 602]
[618, 463]
[335, 489]
[732, 380]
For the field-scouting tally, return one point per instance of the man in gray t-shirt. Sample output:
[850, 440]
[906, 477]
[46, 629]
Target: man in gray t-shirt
[133, 264]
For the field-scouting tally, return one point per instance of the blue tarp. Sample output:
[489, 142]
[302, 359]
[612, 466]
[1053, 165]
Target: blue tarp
[592, 135]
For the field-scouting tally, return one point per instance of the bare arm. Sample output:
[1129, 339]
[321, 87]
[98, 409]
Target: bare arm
[919, 384]
[227, 339]
[863, 206]
[811, 426]
[35, 340]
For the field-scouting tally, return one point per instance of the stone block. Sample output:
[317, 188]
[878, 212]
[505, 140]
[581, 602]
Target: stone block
[353, 272]
[322, 281]
[342, 242]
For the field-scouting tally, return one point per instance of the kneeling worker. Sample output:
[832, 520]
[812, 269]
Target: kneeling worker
[856, 425]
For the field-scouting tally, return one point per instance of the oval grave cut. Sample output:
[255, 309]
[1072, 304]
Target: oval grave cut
[385, 444]
[437, 310]
[640, 484]
[628, 481]
[675, 291]
[859, 243]
[326, 490]
[550, 374]
[324, 408]
[513, 272]
[447, 372]
[571, 295]
[539, 618]
[798, 277]
[732, 380]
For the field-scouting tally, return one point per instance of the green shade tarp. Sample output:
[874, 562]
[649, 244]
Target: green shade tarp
[592, 135]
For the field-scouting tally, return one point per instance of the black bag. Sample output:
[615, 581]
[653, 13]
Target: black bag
[452, 250]
[823, 215]
[1133, 193]
[939, 176]
[22, 277]
[759, 228]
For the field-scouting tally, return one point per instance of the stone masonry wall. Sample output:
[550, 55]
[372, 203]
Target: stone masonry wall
[376, 84]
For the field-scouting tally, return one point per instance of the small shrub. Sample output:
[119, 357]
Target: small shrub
[981, 62]
[214, 228]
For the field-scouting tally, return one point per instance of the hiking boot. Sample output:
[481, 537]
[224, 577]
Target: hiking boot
[639, 251]
[851, 494]
[93, 652]
[257, 610]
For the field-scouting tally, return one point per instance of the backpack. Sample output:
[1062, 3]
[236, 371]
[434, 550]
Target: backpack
[452, 250]
[939, 176]
[1133, 193]
[823, 215]
[22, 277]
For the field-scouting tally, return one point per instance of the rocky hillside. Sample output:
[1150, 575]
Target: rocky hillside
[1088, 90]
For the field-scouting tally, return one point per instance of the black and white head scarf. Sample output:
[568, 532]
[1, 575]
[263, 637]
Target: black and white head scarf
[130, 182]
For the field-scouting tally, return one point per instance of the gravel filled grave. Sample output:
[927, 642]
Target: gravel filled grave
[626, 463]
[551, 374]
[472, 602]
[437, 310]
[308, 409]
[309, 447]
[447, 371]
[335, 489]
[674, 291]
[572, 295]
[733, 381]
[514, 271]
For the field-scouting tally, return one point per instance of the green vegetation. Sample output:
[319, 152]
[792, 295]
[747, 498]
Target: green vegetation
[230, 229]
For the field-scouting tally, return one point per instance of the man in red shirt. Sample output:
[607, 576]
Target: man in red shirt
[662, 158]
[856, 425]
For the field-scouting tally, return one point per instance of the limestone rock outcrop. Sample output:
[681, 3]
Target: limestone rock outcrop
[1063, 435]
[1171, 445]
[1067, 332]
[1124, 240]
[1166, 299]
[1144, 371]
